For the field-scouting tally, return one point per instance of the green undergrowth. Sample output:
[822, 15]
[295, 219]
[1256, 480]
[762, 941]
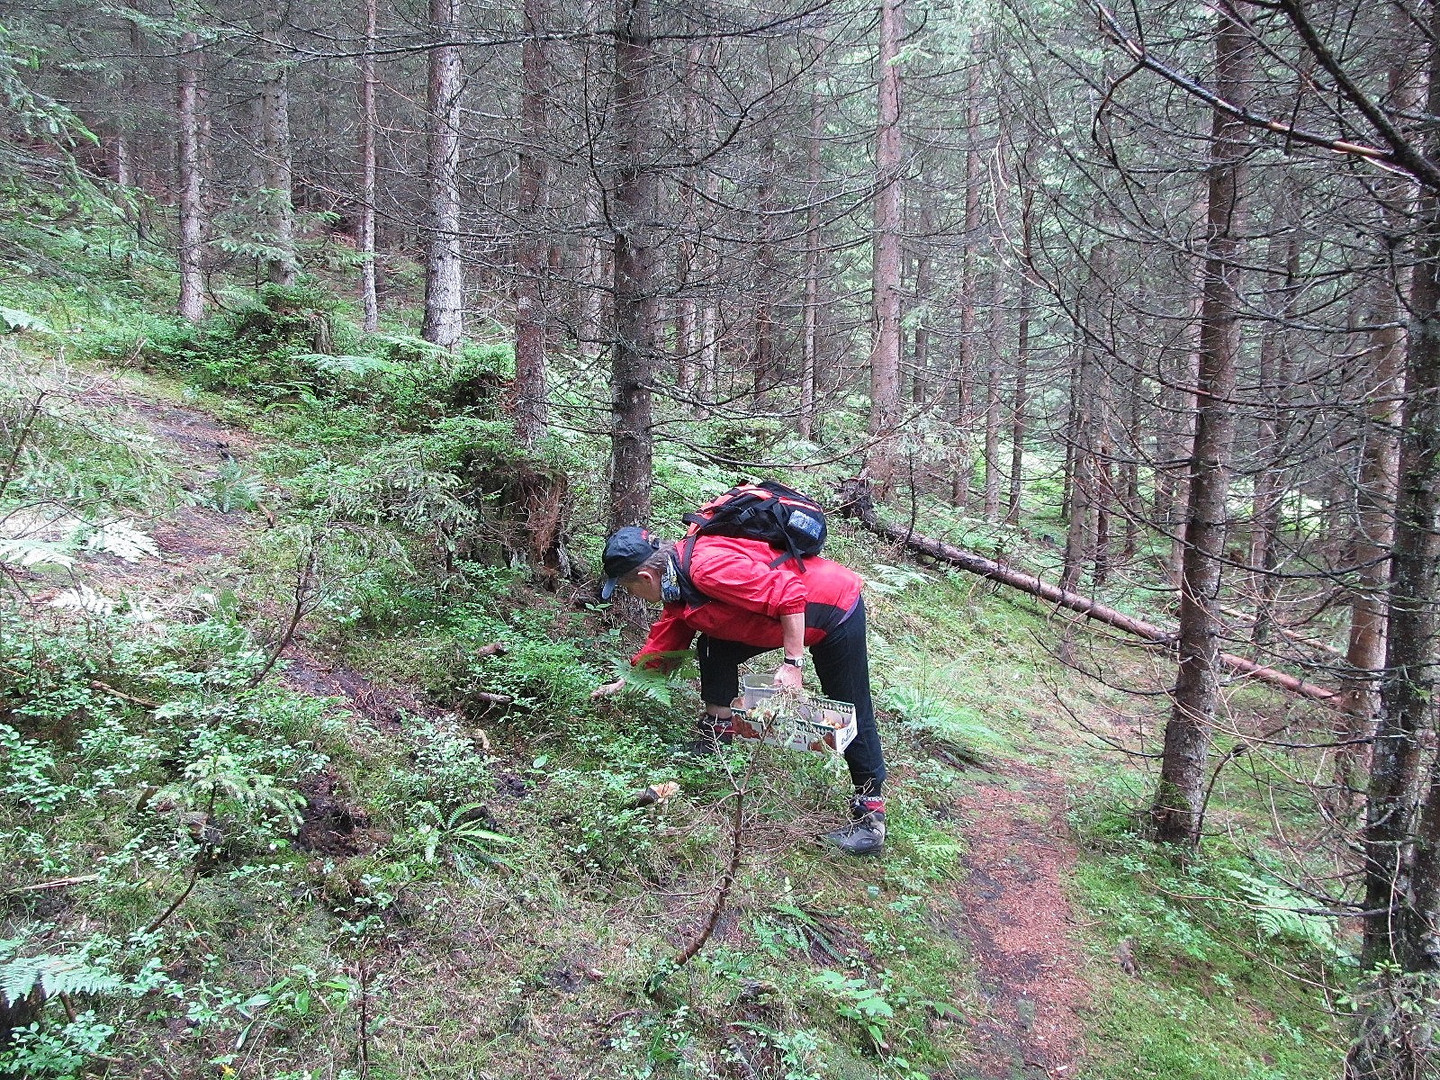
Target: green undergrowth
[1217, 967]
[415, 848]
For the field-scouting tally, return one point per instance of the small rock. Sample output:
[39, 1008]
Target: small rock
[1125, 957]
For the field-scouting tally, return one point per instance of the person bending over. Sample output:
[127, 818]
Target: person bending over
[729, 592]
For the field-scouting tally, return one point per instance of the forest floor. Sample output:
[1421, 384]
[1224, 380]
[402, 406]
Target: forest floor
[1019, 927]
[1010, 910]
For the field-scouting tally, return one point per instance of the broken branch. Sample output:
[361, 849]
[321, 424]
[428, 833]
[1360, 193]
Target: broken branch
[856, 502]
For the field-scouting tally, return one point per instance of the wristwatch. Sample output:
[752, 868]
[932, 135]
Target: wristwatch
[795, 661]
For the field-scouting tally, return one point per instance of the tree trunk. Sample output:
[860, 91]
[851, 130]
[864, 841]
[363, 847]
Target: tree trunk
[687, 311]
[965, 348]
[444, 285]
[124, 134]
[1179, 397]
[1136, 428]
[1079, 536]
[1379, 464]
[993, 398]
[810, 340]
[368, 297]
[1275, 376]
[634, 201]
[856, 502]
[1407, 685]
[1179, 803]
[280, 267]
[1021, 400]
[924, 282]
[1104, 493]
[885, 347]
[762, 358]
[590, 319]
[532, 246]
[192, 202]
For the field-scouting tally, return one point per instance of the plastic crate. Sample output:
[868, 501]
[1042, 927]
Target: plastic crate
[804, 722]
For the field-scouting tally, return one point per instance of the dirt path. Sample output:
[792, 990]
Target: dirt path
[1019, 922]
[198, 545]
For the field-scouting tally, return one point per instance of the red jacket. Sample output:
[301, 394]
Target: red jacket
[748, 596]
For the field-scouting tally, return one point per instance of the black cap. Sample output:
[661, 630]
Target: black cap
[625, 550]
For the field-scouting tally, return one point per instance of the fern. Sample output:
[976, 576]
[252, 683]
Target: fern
[83, 598]
[54, 975]
[231, 488]
[28, 554]
[1281, 913]
[123, 540]
[12, 319]
[894, 580]
[352, 365]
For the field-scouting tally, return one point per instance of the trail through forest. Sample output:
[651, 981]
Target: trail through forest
[1010, 909]
[1018, 922]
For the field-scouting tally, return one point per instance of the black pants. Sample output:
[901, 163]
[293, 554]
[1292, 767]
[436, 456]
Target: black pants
[843, 665]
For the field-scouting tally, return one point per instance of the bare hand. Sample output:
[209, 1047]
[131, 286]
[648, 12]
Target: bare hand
[787, 677]
[610, 689]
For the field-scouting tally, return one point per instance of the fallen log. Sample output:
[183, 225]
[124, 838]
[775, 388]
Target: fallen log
[857, 503]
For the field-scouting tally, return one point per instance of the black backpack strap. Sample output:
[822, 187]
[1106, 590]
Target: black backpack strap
[775, 564]
[777, 488]
[688, 592]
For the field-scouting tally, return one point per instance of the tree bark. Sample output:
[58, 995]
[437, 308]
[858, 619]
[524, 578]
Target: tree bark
[965, 347]
[1408, 683]
[687, 309]
[192, 201]
[762, 358]
[531, 249]
[1179, 803]
[593, 271]
[810, 334]
[993, 397]
[1079, 535]
[1274, 379]
[280, 268]
[885, 347]
[633, 356]
[444, 282]
[369, 300]
[1021, 399]
[1379, 459]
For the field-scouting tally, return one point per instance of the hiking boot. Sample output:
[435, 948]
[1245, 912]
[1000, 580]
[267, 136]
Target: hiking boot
[865, 835]
[711, 734]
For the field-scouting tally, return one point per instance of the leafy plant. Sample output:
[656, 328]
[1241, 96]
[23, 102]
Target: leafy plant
[857, 1000]
[1280, 912]
[894, 580]
[12, 319]
[231, 488]
[27, 772]
[463, 836]
[45, 1052]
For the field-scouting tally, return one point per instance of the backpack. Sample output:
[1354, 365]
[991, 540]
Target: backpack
[792, 523]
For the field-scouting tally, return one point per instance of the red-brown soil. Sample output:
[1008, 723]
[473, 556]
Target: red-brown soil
[1019, 923]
